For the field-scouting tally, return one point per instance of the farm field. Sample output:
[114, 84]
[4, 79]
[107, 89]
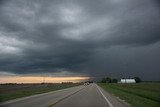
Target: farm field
[138, 95]
[12, 91]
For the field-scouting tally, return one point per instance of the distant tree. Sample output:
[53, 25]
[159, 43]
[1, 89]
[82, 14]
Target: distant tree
[103, 80]
[137, 79]
[108, 80]
[114, 80]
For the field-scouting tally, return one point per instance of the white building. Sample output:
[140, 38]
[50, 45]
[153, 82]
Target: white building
[128, 81]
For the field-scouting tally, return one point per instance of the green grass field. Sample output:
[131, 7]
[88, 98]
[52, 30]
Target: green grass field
[12, 91]
[138, 95]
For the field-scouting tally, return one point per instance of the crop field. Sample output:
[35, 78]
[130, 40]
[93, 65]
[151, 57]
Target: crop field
[138, 95]
[12, 91]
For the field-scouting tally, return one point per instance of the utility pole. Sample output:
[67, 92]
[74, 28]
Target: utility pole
[43, 77]
[125, 70]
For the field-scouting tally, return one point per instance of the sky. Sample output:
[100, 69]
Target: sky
[80, 38]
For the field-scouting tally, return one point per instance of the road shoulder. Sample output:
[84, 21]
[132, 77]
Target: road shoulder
[115, 101]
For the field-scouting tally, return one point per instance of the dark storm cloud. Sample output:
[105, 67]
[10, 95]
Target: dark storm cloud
[86, 37]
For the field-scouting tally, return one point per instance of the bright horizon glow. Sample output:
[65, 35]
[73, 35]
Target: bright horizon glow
[39, 79]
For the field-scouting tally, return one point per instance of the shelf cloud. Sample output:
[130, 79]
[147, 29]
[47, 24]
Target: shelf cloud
[118, 38]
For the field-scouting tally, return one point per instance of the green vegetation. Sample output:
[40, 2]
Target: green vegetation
[114, 80]
[12, 91]
[138, 95]
[109, 80]
[137, 79]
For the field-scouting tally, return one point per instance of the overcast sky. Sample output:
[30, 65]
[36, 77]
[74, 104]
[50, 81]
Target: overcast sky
[118, 38]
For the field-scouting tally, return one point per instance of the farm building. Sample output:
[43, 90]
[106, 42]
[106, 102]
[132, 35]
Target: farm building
[127, 81]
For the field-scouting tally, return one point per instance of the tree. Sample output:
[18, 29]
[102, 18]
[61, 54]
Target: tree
[137, 79]
[108, 80]
[103, 80]
[114, 80]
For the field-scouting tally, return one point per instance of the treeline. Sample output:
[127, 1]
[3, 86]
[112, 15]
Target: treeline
[114, 80]
[109, 80]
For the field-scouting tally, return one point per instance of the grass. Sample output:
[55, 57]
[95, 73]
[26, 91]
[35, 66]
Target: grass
[138, 95]
[13, 91]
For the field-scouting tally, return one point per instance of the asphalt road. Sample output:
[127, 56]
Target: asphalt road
[80, 96]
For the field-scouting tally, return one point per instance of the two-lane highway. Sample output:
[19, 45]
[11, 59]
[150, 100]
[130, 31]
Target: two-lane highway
[80, 96]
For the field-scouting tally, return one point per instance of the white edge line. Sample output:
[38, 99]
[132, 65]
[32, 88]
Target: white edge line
[110, 105]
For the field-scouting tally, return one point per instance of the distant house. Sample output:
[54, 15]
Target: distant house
[127, 81]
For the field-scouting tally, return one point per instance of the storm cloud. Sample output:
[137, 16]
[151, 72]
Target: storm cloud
[119, 38]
